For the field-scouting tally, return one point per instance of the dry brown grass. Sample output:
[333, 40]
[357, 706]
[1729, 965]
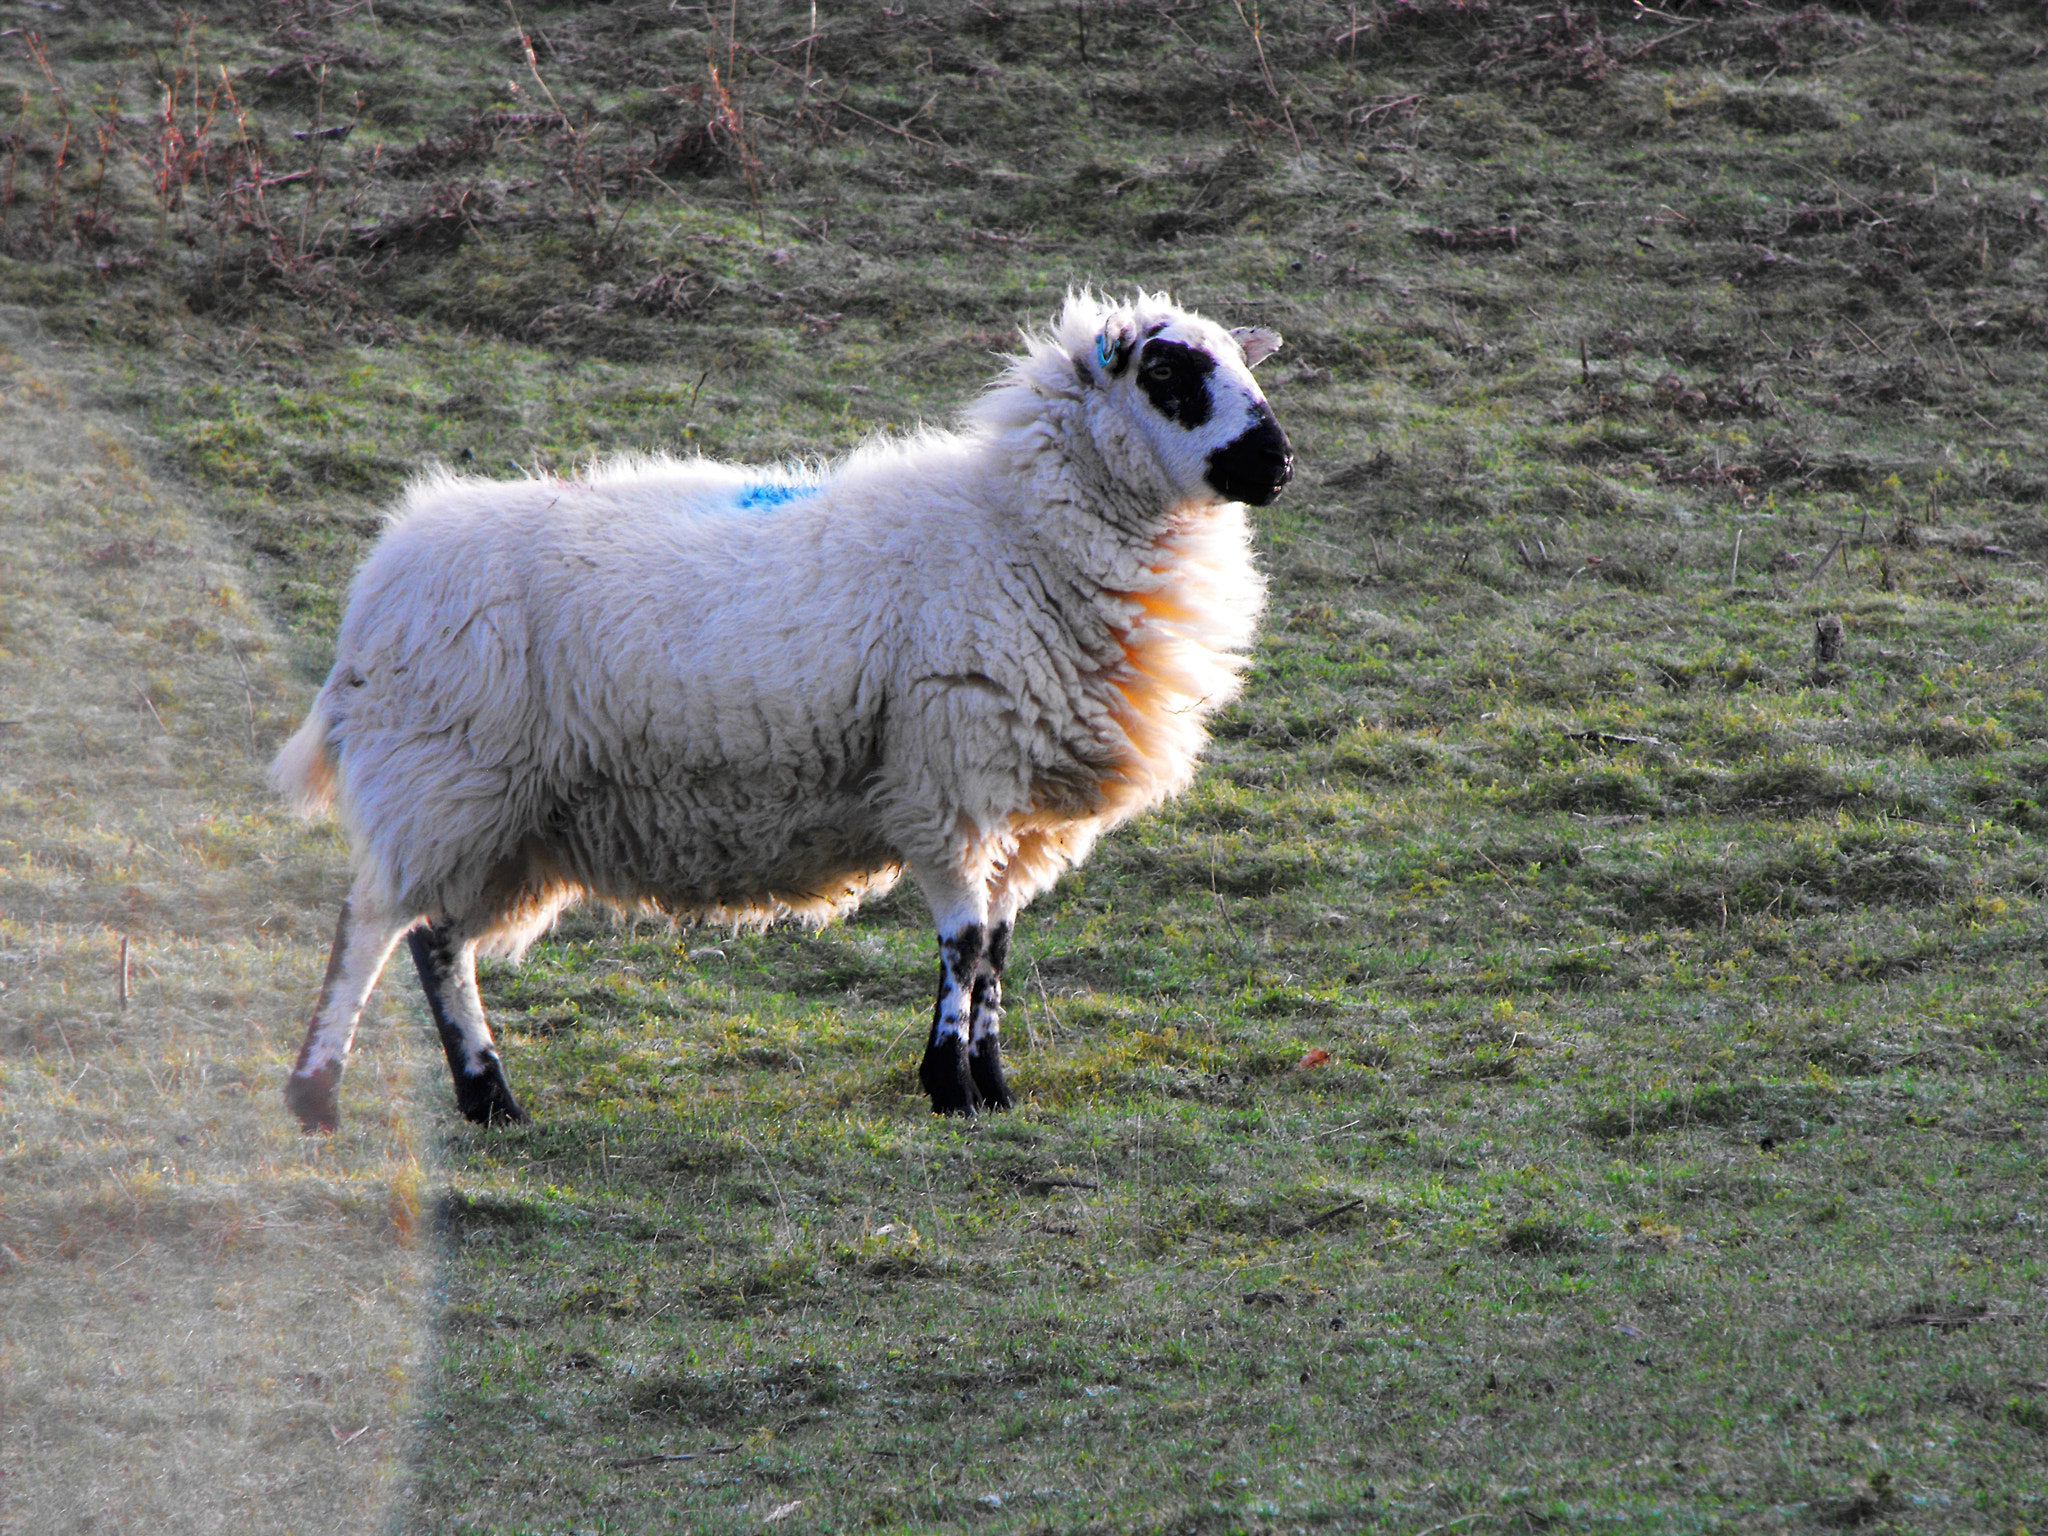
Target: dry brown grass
[207, 1322]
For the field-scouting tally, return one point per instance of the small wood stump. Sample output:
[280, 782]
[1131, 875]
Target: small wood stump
[1827, 641]
[1827, 651]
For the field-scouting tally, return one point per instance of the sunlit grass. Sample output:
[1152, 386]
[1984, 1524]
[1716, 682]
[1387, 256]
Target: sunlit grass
[210, 1322]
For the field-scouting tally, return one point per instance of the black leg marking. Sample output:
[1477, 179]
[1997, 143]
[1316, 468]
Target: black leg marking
[481, 1092]
[947, 1079]
[985, 1067]
[984, 1052]
[945, 1072]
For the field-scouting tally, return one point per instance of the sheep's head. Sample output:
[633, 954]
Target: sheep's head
[1185, 386]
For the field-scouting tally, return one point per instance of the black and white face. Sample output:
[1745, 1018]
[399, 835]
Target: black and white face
[1189, 386]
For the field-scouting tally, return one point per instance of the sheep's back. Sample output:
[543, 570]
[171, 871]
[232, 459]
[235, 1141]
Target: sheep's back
[648, 662]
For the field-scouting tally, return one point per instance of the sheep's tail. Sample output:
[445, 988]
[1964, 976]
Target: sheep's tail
[303, 771]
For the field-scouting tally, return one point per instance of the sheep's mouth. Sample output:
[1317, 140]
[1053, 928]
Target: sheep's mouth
[1253, 466]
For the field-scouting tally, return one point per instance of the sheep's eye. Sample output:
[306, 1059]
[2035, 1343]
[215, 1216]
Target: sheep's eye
[1159, 373]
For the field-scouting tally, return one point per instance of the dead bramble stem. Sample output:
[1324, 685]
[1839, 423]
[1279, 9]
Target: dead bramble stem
[533, 66]
[1253, 26]
[1824, 559]
[731, 116]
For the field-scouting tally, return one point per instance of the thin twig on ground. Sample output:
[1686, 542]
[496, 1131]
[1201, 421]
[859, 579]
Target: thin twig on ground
[623, 1463]
[1322, 1216]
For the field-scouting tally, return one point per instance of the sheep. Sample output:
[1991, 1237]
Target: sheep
[736, 695]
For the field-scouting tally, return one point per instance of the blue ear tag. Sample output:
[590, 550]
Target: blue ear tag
[1105, 350]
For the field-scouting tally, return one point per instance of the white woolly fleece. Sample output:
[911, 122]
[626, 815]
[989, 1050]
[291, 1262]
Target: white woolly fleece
[966, 654]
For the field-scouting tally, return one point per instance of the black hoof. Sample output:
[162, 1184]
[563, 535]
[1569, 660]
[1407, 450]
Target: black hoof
[985, 1065]
[486, 1098]
[946, 1078]
[315, 1097]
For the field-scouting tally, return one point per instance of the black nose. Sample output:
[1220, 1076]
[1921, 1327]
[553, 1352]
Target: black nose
[1253, 465]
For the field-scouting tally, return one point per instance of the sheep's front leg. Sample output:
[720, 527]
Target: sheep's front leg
[446, 960]
[984, 1055]
[946, 1073]
[363, 940]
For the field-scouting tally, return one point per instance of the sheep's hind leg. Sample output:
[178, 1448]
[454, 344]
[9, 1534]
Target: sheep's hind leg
[446, 959]
[363, 941]
[984, 1055]
[946, 1071]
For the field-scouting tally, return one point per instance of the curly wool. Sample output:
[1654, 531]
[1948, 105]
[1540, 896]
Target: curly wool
[738, 696]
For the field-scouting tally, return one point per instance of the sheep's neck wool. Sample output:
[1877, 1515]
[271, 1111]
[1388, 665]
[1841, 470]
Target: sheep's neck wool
[1187, 628]
[1178, 615]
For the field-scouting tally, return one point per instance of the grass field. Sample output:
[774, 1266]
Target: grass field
[1578, 1059]
[207, 1322]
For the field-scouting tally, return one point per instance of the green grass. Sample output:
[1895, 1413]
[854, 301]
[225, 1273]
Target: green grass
[1575, 1059]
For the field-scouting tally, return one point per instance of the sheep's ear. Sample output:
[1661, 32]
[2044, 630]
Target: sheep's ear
[1258, 343]
[1113, 349]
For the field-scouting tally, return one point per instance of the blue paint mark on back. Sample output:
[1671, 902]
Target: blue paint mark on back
[759, 497]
